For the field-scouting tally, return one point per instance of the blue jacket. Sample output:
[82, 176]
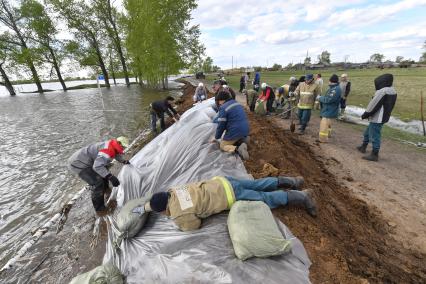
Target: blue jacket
[256, 79]
[232, 119]
[330, 101]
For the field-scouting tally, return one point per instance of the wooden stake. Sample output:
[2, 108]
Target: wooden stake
[421, 112]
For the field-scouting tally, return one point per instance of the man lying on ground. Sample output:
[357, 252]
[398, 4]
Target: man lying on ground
[190, 203]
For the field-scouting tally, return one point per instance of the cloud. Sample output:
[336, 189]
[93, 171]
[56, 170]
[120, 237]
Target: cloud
[286, 37]
[244, 38]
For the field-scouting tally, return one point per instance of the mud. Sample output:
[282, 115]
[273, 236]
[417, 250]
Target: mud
[349, 241]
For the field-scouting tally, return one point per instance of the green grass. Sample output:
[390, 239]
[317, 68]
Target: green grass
[407, 81]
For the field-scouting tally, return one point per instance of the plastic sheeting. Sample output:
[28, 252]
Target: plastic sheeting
[160, 253]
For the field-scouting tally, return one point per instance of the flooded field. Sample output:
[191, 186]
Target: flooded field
[37, 135]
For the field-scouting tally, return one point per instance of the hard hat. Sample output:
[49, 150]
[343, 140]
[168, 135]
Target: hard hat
[124, 141]
[200, 84]
[309, 77]
[280, 90]
[292, 79]
[263, 86]
[344, 75]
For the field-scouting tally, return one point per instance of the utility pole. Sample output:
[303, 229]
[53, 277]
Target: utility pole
[232, 64]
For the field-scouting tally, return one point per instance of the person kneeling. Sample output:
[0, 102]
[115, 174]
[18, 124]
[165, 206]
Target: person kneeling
[190, 203]
[232, 120]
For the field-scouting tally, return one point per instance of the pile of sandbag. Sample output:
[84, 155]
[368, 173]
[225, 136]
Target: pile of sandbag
[254, 231]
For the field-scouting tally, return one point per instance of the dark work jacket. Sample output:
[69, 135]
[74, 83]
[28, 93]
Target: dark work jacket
[163, 107]
[232, 120]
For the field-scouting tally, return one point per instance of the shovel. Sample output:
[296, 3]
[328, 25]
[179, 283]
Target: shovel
[292, 125]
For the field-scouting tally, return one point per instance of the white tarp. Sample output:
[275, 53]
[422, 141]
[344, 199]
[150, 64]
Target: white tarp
[161, 253]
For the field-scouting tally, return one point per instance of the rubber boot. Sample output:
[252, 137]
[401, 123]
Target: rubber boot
[302, 198]
[290, 182]
[242, 151]
[362, 148]
[374, 156]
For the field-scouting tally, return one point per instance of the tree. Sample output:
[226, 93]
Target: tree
[377, 58]
[109, 16]
[276, 67]
[399, 59]
[43, 31]
[4, 57]
[208, 65]
[423, 57]
[11, 17]
[165, 42]
[307, 60]
[324, 57]
[80, 19]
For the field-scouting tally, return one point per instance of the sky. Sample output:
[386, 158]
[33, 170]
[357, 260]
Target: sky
[264, 32]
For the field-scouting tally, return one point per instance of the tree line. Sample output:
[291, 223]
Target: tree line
[148, 39]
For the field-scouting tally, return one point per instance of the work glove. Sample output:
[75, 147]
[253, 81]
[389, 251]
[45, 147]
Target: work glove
[364, 115]
[113, 179]
[126, 162]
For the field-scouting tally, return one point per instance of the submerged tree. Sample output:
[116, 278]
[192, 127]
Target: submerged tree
[4, 57]
[16, 36]
[43, 32]
[160, 40]
[109, 17]
[89, 34]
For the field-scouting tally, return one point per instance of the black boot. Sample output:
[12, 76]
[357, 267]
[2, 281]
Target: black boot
[290, 182]
[362, 148]
[302, 198]
[374, 156]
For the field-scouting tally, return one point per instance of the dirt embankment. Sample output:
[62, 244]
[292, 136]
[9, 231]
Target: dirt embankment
[349, 241]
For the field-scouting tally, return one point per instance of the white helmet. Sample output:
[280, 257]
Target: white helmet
[292, 79]
[263, 86]
[200, 84]
[124, 141]
[344, 75]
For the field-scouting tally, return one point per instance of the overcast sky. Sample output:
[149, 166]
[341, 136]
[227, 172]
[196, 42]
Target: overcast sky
[261, 32]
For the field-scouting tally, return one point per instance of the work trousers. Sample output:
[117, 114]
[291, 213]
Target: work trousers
[269, 103]
[304, 117]
[264, 189]
[373, 134]
[154, 117]
[342, 103]
[230, 145]
[325, 129]
[98, 186]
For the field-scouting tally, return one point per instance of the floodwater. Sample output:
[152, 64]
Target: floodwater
[37, 135]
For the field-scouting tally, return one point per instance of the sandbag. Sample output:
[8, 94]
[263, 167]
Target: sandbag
[129, 223]
[254, 231]
[104, 274]
[260, 107]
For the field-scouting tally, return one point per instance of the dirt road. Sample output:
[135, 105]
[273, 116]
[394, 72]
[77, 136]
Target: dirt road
[371, 222]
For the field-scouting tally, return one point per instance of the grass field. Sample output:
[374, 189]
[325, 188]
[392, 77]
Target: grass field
[408, 83]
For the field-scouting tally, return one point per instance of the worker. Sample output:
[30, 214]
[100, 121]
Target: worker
[268, 97]
[251, 98]
[187, 205]
[319, 81]
[158, 108]
[242, 82]
[200, 93]
[91, 164]
[306, 93]
[287, 92]
[378, 113]
[256, 81]
[345, 86]
[329, 108]
[232, 120]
